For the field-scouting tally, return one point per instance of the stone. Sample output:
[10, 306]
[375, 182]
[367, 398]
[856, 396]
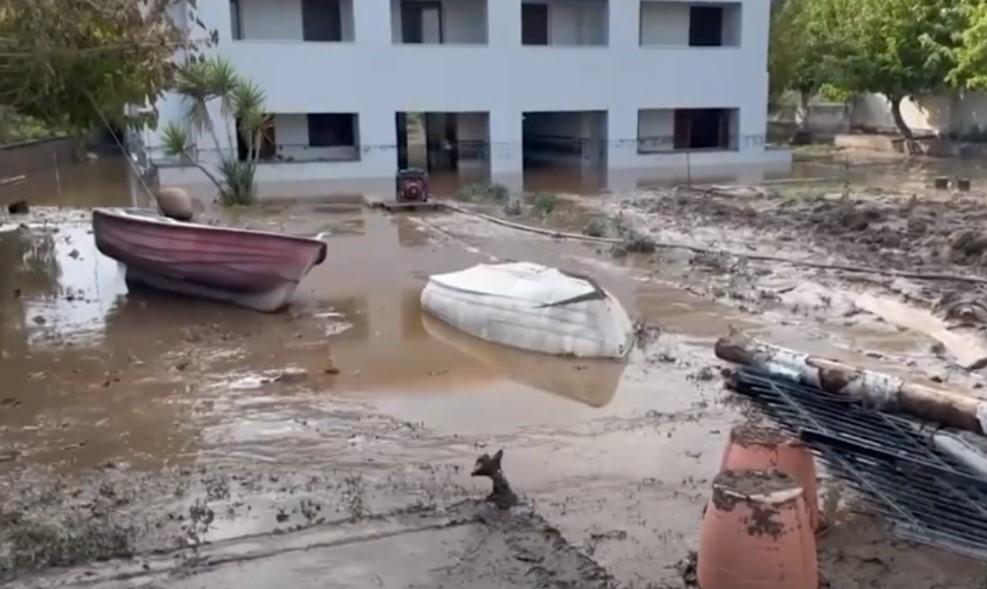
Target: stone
[175, 203]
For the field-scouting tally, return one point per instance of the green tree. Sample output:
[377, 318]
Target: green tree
[902, 49]
[202, 83]
[805, 47]
[898, 48]
[970, 69]
[70, 63]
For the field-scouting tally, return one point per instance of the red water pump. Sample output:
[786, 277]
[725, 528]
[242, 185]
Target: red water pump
[412, 185]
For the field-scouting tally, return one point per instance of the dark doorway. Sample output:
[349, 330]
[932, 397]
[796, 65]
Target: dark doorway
[706, 26]
[421, 22]
[321, 20]
[402, 129]
[702, 128]
[268, 142]
[534, 24]
[442, 141]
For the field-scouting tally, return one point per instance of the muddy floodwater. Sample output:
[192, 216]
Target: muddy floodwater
[198, 444]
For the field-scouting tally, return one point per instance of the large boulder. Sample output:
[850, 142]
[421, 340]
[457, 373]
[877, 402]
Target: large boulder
[175, 203]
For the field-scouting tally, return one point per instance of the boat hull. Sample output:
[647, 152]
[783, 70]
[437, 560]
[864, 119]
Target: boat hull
[586, 322]
[254, 269]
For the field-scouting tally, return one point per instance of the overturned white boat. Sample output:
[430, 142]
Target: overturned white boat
[532, 307]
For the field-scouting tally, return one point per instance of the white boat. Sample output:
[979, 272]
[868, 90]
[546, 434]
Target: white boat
[532, 307]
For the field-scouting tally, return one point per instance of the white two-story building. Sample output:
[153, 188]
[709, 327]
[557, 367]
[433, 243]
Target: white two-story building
[358, 89]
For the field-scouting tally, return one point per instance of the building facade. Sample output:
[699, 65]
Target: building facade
[357, 89]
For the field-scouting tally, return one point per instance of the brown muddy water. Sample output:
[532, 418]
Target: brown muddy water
[182, 421]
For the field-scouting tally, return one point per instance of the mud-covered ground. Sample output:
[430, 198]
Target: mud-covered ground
[194, 444]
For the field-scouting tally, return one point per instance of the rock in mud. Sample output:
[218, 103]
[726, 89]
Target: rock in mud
[175, 203]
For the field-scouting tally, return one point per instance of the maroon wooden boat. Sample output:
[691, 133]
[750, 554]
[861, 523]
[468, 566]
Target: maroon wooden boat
[254, 269]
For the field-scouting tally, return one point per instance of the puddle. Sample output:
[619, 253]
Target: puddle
[965, 347]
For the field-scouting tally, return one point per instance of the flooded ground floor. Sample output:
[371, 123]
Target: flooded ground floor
[195, 444]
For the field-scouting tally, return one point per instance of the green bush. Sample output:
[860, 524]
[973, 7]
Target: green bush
[238, 182]
[544, 204]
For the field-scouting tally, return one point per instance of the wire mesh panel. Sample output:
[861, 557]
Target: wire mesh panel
[924, 494]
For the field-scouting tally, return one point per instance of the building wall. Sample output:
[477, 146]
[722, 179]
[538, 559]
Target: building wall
[376, 78]
[931, 114]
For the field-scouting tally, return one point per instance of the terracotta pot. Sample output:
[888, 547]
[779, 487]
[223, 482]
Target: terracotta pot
[754, 447]
[756, 534]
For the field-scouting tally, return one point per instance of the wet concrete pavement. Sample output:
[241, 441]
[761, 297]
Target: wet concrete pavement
[176, 422]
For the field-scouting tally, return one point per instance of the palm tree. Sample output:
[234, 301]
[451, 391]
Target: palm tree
[201, 83]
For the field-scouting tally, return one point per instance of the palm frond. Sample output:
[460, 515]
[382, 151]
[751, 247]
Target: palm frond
[176, 141]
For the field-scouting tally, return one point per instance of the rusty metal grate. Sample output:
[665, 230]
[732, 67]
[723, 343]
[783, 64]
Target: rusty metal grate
[924, 494]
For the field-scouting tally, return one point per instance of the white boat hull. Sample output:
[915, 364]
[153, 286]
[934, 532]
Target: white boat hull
[533, 308]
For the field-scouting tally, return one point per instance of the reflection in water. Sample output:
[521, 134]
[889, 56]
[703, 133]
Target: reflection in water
[590, 381]
[64, 182]
[27, 261]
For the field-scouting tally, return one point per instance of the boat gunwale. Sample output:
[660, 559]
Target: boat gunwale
[123, 214]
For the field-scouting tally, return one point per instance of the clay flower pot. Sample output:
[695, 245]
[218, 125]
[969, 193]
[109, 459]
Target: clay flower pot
[756, 534]
[754, 447]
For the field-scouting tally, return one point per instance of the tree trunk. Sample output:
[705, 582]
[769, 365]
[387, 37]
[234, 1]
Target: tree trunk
[910, 146]
[802, 115]
[948, 407]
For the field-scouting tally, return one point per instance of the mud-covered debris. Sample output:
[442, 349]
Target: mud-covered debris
[489, 466]
[687, 569]
[704, 374]
[292, 376]
[971, 242]
[646, 333]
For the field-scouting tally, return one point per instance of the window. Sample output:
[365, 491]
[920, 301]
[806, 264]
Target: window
[321, 20]
[702, 128]
[236, 24]
[534, 24]
[421, 22]
[706, 26]
[331, 130]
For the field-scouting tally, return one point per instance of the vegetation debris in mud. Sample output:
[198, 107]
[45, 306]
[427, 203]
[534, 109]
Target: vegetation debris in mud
[29, 544]
[483, 192]
[543, 204]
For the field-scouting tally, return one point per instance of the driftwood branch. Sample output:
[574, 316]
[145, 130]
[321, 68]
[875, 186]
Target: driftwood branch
[885, 392]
